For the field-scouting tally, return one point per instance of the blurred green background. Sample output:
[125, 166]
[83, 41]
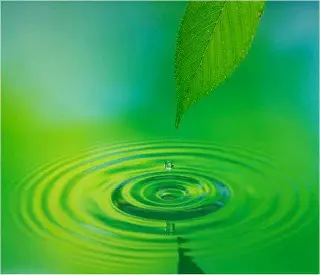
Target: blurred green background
[76, 74]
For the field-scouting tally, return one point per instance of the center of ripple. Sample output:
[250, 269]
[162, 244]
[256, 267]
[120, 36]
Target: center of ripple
[170, 194]
[181, 195]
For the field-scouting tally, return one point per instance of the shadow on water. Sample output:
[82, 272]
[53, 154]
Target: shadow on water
[186, 264]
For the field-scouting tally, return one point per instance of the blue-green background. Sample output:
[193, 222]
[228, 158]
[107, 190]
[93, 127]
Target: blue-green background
[75, 74]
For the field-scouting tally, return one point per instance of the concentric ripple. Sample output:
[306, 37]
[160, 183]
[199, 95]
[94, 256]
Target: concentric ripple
[113, 204]
[169, 196]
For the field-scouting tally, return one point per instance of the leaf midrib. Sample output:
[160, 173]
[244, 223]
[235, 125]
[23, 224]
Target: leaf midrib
[206, 49]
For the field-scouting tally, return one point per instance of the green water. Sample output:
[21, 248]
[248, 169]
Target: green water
[96, 179]
[117, 206]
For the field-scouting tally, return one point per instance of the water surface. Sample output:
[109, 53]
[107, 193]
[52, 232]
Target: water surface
[117, 207]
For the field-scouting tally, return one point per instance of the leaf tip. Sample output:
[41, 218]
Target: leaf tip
[179, 113]
[178, 119]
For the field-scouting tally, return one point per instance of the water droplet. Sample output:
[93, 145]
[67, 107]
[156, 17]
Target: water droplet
[170, 228]
[168, 165]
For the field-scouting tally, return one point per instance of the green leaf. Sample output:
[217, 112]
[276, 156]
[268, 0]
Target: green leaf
[213, 39]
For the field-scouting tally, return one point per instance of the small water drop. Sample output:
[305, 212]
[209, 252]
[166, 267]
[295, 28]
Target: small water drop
[170, 228]
[168, 165]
